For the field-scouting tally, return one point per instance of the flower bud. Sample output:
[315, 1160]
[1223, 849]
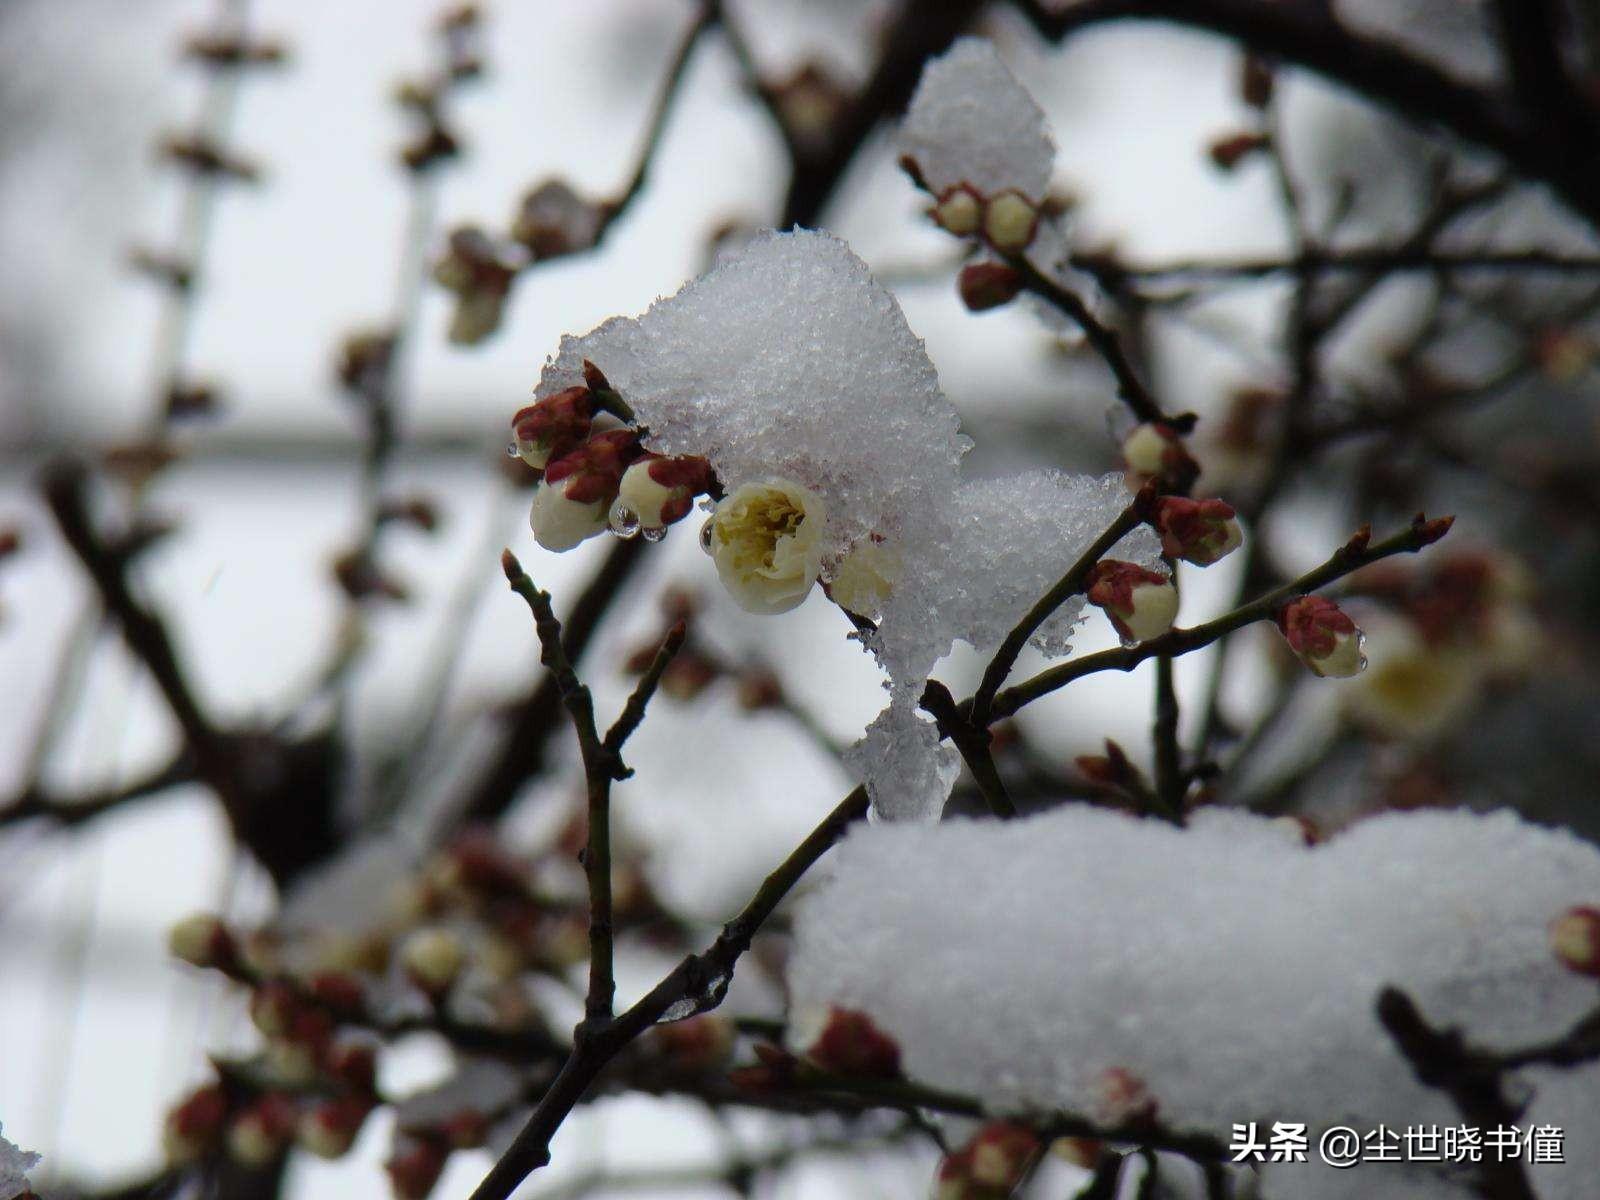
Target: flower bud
[986, 285]
[433, 958]
[1084, 1153]
[865, 577]
[353, 1064]
[1575, 939]
[1155, 450]
[1000, 1154]
[329, 1129]
[260, 1134]
[1119, 1099]
[1322, 635]
[554, 426]
[696, 1044]
[202, 940]
[847, 1043]
[766, 541]
[573, 501]
[959, 211]
[554, 220]
[1009, 221]
[657, 491]
[273, 1007]
[1140, 603]
[1198, 531]
[415, 1166]
[194, 1126]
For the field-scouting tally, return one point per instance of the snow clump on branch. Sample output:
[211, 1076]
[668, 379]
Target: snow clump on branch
[1230, 968]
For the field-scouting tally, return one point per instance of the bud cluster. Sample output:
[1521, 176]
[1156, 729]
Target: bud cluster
[597, 476]
[1007, 220]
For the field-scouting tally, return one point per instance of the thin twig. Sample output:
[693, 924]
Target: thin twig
[597, 769]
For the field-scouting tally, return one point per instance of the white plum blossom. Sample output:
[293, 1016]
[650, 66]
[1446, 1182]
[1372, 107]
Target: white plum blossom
[766, 539]
[1232, 971]
[15, 1163]
[793, 374]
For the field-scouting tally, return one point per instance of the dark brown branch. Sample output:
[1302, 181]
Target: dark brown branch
[1068, 586]
[1322, 260]
[534, 720]
[699, 982]
[633, 711]
[907, 1096]
[1442, 1060]
[919, 32]
[65, 485]
[598, 772]
[38, 804]
[1130, 388]
[972, 741]
[1310, 36]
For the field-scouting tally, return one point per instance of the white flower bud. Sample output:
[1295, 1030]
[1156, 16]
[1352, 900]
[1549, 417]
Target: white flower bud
[560, 524]
[201, 940]
[865, 577]
[1009, 221]
[766, 540]
[656, 491]
[1141, 603]
[959, 212]
[1145, 449]
[433, 958]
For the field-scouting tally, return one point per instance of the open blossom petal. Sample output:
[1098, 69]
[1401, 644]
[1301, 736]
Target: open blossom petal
[766, 539]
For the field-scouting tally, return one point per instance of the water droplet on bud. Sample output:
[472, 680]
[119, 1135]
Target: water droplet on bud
[623, 520]
[705, 534]
[1361, 648]
[512, 451]
[655, 533]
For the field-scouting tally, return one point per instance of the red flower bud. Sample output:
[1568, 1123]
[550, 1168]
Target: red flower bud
[195, 1125]
[415, 1166]
[1141, 603]
[698, 1043]
[986, 285]
[554, 426]
[1323, 636]
[1120, 1099]
[1198, 531]
[851, 1044]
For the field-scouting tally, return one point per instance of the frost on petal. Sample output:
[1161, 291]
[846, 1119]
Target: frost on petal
[970, 121]
[787, 360]
[15, 1163]
[1228, 966]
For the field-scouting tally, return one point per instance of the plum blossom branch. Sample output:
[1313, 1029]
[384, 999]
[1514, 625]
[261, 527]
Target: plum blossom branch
[598, 771]
[1130, 387]
[700, 980]
[1311, 36]
[907, 1096]
[1356, 553]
